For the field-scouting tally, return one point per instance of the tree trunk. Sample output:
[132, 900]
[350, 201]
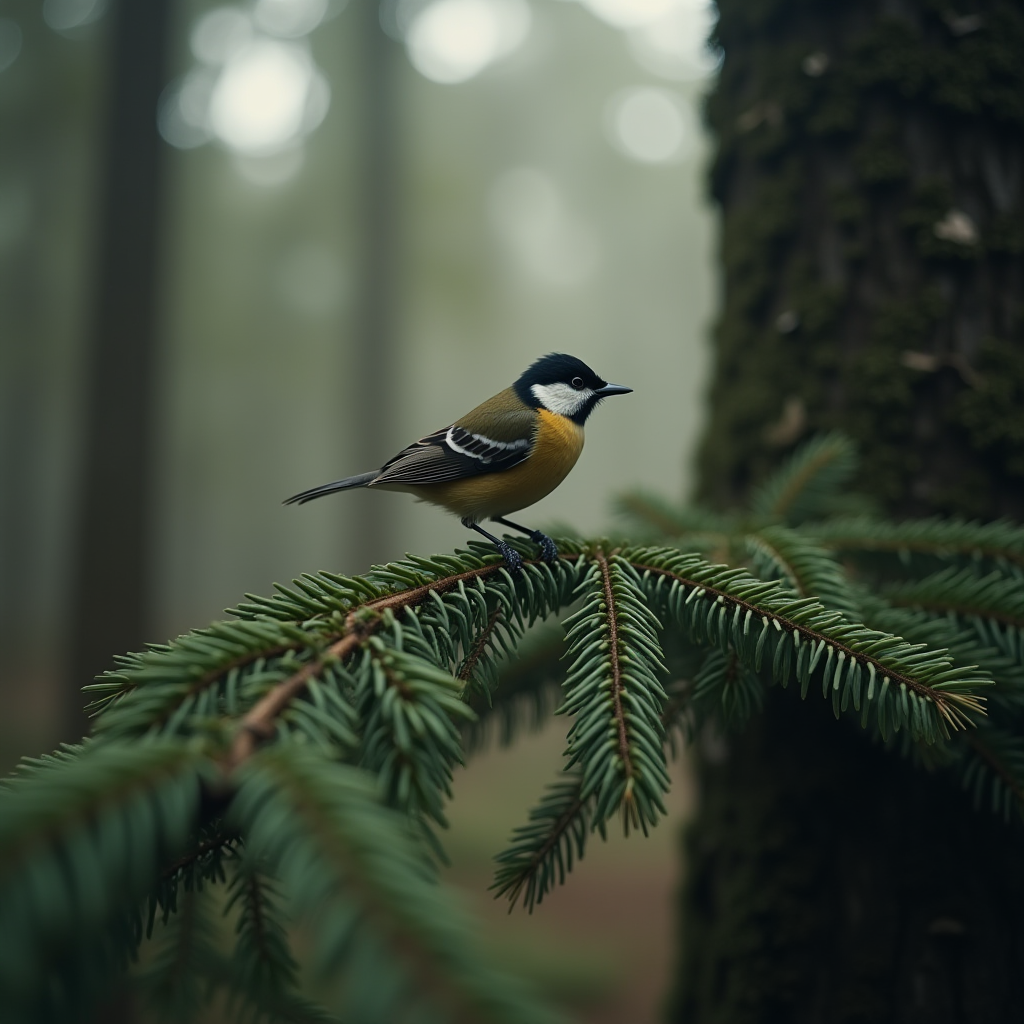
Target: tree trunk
[869, 169]
[869, 172]
[110, 589]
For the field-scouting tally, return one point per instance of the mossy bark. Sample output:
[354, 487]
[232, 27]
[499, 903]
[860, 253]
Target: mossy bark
[869, 169]
[831, 881]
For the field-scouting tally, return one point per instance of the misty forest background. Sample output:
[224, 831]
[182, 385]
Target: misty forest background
[267, 304]
[822, 232]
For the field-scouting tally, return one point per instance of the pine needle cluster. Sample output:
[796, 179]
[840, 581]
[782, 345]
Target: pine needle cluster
[256, 818]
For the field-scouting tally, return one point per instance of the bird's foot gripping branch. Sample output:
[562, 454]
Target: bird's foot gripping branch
[298, 759]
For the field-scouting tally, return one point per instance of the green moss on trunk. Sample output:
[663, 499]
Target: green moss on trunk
[869, 168]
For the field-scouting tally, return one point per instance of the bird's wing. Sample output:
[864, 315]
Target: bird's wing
[457, 452]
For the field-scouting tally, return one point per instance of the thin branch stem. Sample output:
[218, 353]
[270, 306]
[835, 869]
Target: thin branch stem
[479, 646]
[616, 668]
[514, 887]
[260, 722]
[941, 700]
[197, 854]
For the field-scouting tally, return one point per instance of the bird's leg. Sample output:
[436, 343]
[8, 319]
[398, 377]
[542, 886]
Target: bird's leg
[513, 559]
[548, 549]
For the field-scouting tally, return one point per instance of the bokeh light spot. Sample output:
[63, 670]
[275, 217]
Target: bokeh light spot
[452, 41]
[183, 113]
[259, 101]
[289, 18]
[219, 34]
[629, 13]
[66, 15]
[647, 125]
[676, 46]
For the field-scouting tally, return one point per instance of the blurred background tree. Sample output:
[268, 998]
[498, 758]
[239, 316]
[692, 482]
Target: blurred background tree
[350, 193]
[869, 171]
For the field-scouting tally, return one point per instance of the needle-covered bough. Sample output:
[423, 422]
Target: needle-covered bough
[283, 775]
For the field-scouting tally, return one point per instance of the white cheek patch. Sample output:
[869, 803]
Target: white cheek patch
[562, 399]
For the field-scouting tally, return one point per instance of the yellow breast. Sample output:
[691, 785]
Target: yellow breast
[556, 448]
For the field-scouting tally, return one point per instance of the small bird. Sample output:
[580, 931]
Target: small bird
[505, 454]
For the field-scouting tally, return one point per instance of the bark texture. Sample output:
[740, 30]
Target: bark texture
[869, 171]
[831, 882]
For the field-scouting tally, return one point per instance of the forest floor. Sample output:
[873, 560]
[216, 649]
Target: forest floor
[603, 944]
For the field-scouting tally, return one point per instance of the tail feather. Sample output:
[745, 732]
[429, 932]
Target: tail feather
[362, 480]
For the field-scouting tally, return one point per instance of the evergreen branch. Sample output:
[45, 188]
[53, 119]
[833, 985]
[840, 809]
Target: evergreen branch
[361, 622]
[175, 982]
[265, 659]
[809, 482]
[543, 851]
[920, 690]
[725, 685]
[653, 515]
[205, 859]
[352, 870]
[480, 645]
[613, 690]
[407, 706]
[963, 594]
[497, 639]
[998, 760]
[262, 960]
[81, 841]
[779, 552]
[34, 767]
[528, 687]
[1001, 541]
[963, 643]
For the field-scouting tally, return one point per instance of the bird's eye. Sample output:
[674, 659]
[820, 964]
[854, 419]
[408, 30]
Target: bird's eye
[577, 383]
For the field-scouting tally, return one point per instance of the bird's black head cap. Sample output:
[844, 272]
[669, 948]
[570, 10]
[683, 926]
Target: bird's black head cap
[565, 385]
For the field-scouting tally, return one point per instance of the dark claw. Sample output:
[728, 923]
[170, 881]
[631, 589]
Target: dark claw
[513, 560]
[548, 548]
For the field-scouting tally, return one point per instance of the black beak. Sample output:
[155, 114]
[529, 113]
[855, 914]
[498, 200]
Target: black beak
[612, 389]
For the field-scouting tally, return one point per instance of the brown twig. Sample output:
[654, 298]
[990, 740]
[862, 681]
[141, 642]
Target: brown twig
[260, 722]
[479, 645]
[514, 888]
[941, 700]
[208, 846]
[616, 669]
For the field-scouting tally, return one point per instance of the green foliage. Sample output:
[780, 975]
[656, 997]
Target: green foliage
[287, 772]
[613, 691]
[808, 482]
[543, 852]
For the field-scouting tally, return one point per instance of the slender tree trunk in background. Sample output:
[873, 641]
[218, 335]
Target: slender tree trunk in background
[870, 170]
[112, 548]
[374, 365]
